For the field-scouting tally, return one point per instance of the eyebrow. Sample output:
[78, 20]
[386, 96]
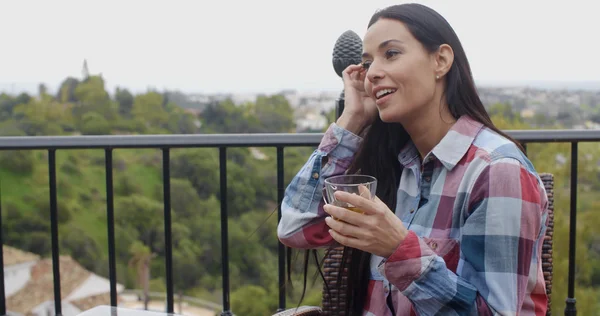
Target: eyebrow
[382, 45]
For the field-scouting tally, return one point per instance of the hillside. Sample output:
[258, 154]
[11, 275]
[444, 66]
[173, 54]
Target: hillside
[85, 107]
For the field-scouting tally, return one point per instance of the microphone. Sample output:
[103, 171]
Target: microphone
[346, 51]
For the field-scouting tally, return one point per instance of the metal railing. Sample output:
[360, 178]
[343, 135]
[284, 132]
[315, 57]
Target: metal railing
[223, 142]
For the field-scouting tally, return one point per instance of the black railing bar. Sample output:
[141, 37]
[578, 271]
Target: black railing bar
[110, 223]
[54, 230]
[241, 140]
[167, 222]
[555, 136]
[570, 308]
[224, 231]
[159, 141]
[280, 246]
[2, 291]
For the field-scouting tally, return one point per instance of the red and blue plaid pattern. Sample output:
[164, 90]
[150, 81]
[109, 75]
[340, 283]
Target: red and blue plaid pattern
[476, 211]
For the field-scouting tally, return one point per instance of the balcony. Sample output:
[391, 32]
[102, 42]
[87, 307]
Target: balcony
[167, 143]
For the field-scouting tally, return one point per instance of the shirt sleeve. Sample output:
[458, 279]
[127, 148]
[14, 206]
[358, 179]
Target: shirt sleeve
[500, 245]
[302, 222]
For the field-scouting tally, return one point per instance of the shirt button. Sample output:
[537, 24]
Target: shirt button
[433, 245]
[315, 175]
[428, 179]
[412, 210]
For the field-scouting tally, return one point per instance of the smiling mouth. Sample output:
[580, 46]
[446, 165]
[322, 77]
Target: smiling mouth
[382, 93]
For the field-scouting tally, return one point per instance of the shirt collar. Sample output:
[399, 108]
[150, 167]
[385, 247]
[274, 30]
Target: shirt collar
[451, 149]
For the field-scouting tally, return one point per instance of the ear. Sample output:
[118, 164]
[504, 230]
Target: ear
[444, 57]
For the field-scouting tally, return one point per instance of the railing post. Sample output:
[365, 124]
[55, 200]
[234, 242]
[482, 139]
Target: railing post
[167, 222]
[54, 230]
[281, 247]
[110, 224]
[339, 107]
[224, 231]
[2, 293]
[571, 309]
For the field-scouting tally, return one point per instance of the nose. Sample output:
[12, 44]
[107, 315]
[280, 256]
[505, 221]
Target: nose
[375, 73]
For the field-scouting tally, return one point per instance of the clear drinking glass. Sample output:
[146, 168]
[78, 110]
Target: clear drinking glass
[363, 185]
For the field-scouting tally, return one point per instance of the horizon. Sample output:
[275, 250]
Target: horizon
[591, 86]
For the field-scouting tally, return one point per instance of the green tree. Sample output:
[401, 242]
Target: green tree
[17, 220]
[143, 215]
[181, 122]
[274, 114]
[227, 117]
[251, 300]
[503, 110]
[75, 242]
[94, 123]
[140, 262]
[66, 90]
[149, 108]
[200, 167]
[19, 161]
[8, 103]
[125, 100]
[42, 116]
[91, 96]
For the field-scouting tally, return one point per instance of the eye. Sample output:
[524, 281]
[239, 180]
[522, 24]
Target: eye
[391, 53]
[366, 64]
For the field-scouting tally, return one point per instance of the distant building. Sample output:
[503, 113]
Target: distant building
[311, 121]
[527, 113]
[29, 285]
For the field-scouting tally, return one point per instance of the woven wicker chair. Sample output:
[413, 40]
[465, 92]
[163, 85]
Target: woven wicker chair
[333, 260]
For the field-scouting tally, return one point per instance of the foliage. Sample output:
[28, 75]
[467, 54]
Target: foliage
[85, 107]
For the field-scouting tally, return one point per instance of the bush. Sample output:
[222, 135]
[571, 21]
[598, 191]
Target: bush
[126, 185]
[94, 124]
[251, 300]
[19, 161]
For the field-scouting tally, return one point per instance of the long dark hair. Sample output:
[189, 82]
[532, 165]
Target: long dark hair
[383, 141]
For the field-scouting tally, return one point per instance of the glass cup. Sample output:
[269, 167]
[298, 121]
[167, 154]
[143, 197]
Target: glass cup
[362, 185]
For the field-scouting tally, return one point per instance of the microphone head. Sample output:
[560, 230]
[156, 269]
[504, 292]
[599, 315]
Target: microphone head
[346, 51]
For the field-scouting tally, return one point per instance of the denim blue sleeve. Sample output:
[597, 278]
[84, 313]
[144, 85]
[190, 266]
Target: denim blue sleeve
[302, 222]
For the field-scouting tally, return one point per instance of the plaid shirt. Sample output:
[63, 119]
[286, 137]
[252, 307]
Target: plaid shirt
[476, 213]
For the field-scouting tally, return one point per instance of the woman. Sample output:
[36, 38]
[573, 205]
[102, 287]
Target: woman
[460, 214]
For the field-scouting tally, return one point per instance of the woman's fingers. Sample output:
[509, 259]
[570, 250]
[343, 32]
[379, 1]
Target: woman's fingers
[353, 68]
[347, 241]
[352, 72]
[364, 203]
[343, 228]
[344, 214]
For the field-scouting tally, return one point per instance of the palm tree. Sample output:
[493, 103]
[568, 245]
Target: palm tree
[140, 261]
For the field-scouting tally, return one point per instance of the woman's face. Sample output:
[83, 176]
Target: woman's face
[401, 73]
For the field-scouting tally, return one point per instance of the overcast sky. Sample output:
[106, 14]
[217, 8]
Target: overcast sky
[267, 45]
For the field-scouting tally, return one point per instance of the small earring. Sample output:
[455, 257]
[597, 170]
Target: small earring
[437, 77]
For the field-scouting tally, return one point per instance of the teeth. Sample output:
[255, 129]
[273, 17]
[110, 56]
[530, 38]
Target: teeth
[383, 92]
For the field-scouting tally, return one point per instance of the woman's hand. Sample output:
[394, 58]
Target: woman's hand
[378, 231]
[359, 108]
